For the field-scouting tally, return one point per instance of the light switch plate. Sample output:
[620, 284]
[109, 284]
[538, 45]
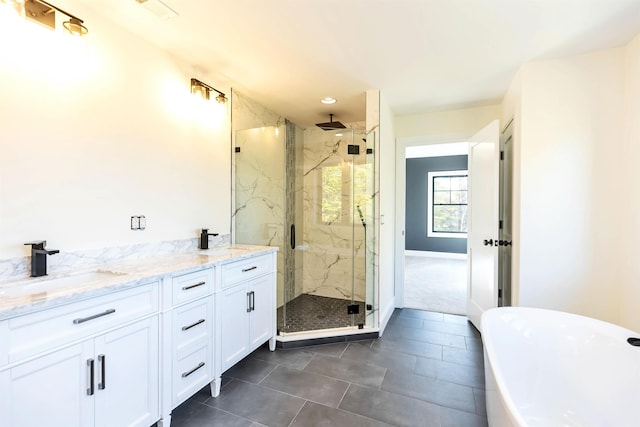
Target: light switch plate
[135, 222]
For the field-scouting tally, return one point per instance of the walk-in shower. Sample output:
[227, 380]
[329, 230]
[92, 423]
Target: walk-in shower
[311, 193]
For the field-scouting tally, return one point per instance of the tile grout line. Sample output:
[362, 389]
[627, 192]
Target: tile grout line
[343, 395]
[270, 372]
[297, 413]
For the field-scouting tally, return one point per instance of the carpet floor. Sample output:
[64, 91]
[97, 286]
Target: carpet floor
[435, 284]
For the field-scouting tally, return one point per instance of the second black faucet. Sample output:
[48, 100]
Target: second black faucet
[204, 238]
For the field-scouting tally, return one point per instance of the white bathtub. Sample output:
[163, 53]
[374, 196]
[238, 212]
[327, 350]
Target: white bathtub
[548, 368]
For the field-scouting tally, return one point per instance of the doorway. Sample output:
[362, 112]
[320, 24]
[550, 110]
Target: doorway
[488, 245]
[435, 261]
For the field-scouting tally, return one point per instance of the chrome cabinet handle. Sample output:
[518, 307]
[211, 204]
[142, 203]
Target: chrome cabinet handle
[186, 374]
[186, 328]
[102, 360]
[186, 288]
[244, 270]
[90, 389]
[252, 300]
[248, 302]
[95, 316]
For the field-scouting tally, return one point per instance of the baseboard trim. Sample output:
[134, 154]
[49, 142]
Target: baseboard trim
[386, 315]
[430, 254]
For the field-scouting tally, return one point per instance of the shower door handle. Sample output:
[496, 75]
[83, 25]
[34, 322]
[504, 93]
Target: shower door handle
[293, 236]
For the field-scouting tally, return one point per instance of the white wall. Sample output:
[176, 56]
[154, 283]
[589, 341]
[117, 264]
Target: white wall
[97, 129]
[385, 162]
[630, 301]
[444, 126]
[571, 184]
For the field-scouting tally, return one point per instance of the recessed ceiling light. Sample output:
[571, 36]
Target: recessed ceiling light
[328, 100]
[338, 134]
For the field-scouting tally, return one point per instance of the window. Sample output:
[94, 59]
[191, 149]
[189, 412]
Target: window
[447, 204]
[331, 189]
[343, 188]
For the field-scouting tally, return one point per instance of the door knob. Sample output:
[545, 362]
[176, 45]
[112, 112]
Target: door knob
[488, 242]
[504, 243]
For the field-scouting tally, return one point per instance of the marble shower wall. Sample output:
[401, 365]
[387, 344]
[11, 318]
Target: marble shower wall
[278, 177]
[334, 237]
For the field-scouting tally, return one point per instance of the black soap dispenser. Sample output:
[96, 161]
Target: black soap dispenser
[204, 238]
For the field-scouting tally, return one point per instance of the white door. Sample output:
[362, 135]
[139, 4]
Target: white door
[233, 306]
[482, 289]
[126, 377]
[51, 390]
[261, 310]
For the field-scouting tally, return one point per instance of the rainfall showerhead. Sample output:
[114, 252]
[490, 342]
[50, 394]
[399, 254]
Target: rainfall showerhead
[331, 125]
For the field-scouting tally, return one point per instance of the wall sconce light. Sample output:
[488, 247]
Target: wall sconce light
[203, 89]
[45, 13]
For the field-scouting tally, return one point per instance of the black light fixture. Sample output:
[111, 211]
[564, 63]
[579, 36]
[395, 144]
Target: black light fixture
[204, 90]
[44, 13]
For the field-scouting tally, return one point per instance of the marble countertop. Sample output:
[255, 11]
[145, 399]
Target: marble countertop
[18, 297]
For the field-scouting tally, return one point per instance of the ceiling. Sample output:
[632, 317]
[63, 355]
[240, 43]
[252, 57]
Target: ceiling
[423, 55]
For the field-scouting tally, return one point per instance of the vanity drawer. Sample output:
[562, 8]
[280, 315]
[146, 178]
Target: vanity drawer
[190, 286]
[193, 323]
[36, 332]
[245, 269]
[190, 373]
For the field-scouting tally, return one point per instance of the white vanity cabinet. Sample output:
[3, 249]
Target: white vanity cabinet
[245, 307]
[128, 355]
[188, 328]
[89, 363]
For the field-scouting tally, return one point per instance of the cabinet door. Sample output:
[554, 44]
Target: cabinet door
[51, 390]
[234, 318]
[263, 313]
[127, 391]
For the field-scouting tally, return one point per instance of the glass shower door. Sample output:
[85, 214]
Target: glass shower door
[259, 183]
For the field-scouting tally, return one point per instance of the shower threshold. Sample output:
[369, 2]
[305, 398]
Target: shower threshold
[325, 336]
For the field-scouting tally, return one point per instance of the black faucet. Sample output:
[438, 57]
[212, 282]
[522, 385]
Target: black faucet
[39, 257]
[204, 238]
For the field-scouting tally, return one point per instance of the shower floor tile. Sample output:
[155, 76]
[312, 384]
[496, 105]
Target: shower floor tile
[311, 312]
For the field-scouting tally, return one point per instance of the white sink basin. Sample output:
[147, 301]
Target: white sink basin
[38, 285]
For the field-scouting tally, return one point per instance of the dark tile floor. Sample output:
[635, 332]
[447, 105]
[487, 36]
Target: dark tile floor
[426, 370]
[310, 312]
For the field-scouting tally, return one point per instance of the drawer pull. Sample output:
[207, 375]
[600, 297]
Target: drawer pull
[186, 288]
[91, 377]
[186, 374]
[186, 328]
[95, 316]
[103, 382]
[244, 270]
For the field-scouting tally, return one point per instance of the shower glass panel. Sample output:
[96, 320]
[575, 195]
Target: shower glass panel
[259, 182]
[336, 176]
[309, 192]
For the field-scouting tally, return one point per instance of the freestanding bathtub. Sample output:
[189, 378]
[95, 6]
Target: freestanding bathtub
[548, 368]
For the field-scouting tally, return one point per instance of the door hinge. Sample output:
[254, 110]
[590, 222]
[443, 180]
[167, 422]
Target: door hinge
[500, 224]
[499, 293]
[502, 155]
